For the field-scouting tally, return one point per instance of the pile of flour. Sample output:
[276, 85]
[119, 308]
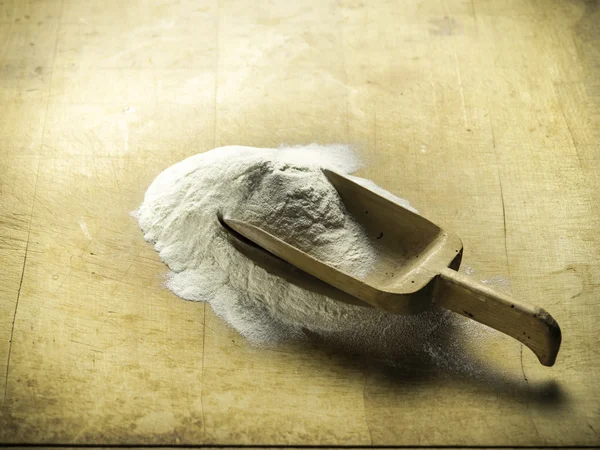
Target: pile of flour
[285, 192]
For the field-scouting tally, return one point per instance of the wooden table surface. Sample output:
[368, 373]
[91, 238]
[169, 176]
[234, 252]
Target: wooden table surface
[484, 114]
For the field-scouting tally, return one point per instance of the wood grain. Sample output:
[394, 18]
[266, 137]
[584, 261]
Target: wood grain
[485, 115]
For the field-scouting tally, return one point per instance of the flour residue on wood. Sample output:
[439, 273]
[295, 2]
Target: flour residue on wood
[285, 192]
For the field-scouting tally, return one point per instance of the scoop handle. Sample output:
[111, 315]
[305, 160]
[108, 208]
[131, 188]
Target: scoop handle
[529, 324]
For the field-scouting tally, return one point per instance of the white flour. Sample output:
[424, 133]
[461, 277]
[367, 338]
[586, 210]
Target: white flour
[284, 191]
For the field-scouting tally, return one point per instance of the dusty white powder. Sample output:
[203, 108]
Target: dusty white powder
[284, 191]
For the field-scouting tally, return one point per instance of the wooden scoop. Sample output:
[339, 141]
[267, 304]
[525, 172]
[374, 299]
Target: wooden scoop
[417, 267]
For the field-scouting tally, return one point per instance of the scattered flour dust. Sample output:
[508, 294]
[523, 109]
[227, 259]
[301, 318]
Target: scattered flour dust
[284, 191]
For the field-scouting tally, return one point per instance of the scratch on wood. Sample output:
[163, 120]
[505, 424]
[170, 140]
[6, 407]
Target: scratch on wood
[501, 195]
[120, 281]
[503, 219]
[12, 330]
[461, 89]
[523, 367]
[458, 73]
[537, 431]
[37, 173]
[562, 111]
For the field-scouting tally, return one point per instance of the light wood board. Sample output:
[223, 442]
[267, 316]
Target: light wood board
[484, 114]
